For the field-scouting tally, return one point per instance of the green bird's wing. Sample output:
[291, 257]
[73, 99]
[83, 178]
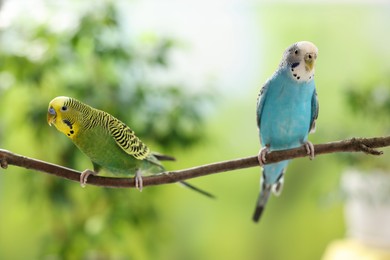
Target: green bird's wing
[127, 140]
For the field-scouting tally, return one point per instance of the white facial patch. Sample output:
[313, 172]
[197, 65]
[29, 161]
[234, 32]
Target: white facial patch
[307, 47]
[307, 55]
[300, 73]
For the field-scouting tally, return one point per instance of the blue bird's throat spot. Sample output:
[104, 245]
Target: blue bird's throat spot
[295, 64]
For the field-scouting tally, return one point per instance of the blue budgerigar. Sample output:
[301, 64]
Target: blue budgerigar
[287, 109]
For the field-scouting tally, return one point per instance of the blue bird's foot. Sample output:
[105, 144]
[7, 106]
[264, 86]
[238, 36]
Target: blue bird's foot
[309, 149]
[261, 156]
[138, 180]
[84, 177]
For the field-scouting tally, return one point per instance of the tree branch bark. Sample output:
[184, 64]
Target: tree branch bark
[366, 145]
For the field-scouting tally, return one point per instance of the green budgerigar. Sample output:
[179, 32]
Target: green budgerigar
[109, 143]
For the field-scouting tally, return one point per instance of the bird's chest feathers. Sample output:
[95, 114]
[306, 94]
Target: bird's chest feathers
[287, 111]
[286, 95]
[98, 144]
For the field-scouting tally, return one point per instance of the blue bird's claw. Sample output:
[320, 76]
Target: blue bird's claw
[261, 156]
[309, 149]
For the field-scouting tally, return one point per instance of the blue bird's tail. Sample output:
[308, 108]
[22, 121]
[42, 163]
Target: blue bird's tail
[262, 201]
[272, 181]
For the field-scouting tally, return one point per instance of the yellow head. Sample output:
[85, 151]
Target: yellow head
[64, 115]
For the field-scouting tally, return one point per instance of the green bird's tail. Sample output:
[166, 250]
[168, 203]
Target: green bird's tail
[194, 188]
[163, 157]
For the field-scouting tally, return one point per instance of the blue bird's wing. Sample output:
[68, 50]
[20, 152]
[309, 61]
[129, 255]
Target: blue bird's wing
[314, 111]
[260, 103]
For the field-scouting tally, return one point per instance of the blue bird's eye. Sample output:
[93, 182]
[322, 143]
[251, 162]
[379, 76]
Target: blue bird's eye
[52, 111]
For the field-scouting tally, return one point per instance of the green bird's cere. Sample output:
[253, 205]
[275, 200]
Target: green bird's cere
[109, 143]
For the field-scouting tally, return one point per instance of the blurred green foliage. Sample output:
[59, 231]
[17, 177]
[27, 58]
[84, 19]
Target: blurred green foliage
[370, 103]
[91, 61]
[372, 100]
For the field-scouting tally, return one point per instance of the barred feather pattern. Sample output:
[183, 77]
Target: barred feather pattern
[127, 140]
[125, 137]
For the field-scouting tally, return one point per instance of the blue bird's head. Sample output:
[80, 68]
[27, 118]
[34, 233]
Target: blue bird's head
[300, 60]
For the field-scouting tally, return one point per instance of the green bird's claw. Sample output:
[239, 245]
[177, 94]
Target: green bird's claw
[3, 163]
[84, 177]
[138, 180]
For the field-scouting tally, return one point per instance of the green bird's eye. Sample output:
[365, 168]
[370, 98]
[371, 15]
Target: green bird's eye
[64, 108]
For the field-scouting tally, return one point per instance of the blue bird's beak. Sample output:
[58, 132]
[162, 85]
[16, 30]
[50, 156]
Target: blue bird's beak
[310, 59]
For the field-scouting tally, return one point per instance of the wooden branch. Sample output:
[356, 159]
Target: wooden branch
[366, 145]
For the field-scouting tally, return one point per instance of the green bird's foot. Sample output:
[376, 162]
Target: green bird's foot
[261, 156]
[3, 163]
[309, 149]
[138, 180]
[84, 177]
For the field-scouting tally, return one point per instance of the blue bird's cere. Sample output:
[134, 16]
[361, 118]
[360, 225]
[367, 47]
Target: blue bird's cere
[287, 109]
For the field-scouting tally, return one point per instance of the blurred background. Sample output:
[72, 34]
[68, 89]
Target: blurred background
[185, 76]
